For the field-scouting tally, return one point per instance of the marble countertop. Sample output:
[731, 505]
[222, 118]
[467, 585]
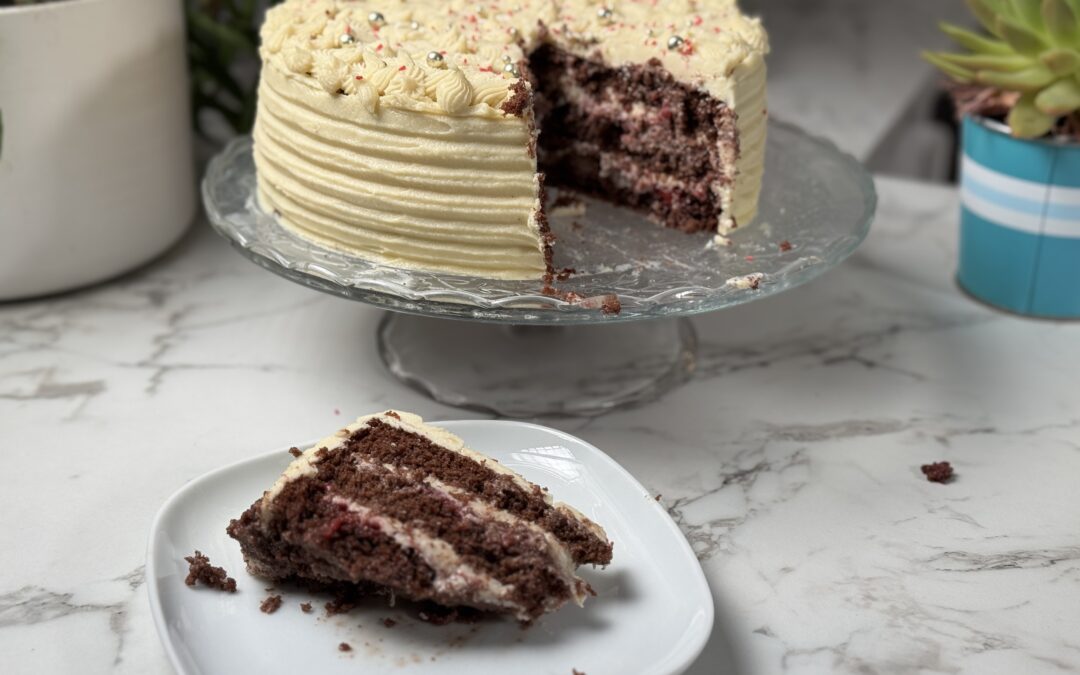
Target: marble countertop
[791, 461]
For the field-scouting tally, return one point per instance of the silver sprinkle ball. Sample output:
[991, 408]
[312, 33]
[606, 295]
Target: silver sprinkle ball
[436, 60]
[414, 25]
[376, 18]
[674, 42]
[605, 13]
[511, 69]
[346, 39]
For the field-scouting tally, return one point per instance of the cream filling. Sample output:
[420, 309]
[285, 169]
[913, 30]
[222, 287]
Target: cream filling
[557, 552]
[453, 576]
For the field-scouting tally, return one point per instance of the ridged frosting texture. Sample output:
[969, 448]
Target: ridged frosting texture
[381, 127]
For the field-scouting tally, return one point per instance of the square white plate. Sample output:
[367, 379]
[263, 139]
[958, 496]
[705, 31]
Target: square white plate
[653, 613]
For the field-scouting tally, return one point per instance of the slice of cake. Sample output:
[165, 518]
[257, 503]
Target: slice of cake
[415, 133]
[396, 506]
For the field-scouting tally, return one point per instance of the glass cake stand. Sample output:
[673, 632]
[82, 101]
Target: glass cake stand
[508, 349]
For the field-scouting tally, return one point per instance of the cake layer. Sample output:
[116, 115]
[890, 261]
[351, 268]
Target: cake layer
[398, 505]
[637, 134]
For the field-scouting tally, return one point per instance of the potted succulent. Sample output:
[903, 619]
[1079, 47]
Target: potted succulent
[1017, 88]
[96, 173]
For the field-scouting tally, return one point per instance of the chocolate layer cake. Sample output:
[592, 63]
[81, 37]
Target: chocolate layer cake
[396, 506]
[418, 133]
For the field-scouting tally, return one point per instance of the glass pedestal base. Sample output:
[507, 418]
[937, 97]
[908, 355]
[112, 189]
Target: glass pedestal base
[538, 371]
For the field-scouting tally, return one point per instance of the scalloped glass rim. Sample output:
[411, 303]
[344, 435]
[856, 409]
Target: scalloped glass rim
[814, 197]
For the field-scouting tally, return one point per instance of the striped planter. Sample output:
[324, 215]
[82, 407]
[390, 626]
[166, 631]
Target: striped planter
[1020, 222]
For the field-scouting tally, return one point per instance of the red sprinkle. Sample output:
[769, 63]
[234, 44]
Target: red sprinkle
[401, 68]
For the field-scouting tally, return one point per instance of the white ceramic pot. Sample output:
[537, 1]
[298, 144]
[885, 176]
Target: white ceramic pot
[96, 169]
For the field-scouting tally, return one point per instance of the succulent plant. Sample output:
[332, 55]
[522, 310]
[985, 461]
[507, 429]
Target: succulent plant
[1032, 48]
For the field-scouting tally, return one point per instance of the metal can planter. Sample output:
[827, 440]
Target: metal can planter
[1020, 221]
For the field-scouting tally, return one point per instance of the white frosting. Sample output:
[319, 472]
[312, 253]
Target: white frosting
[365, 144]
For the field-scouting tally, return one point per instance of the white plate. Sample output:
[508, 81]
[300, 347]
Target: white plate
[653, 614]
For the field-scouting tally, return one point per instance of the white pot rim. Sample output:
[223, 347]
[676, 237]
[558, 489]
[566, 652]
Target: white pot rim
[1004, 130]
[50, 6]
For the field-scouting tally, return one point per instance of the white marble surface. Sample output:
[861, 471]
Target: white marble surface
[791, 461]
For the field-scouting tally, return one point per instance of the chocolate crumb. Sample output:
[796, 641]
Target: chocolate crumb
[785, 246]
[200, 570]
[271, 604]
[566, 198]
[339, 606]
[295, 452]
[565, 274]
[519, 100]
[391, 413]
[344, 647]
[938, 472]
[438, 615]
[389, 623]
[612, 305]
[305, 607]
[658, 497]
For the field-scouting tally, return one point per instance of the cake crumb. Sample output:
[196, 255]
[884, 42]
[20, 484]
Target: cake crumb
[344, 647]
[938, 472]
[567, 204]
[566, 273]
[785, 246]
[389, 623]
[391, 413]
[305, 607]
[748, 282]
[200, 570]
[296, 452]
[271, 604]
[339, 606]
[659, 497]
[723, 241]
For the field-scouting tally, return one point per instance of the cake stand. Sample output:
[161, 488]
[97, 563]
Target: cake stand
[506, 348]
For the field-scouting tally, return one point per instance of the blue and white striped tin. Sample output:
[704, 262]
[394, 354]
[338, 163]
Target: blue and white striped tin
[1020, 221]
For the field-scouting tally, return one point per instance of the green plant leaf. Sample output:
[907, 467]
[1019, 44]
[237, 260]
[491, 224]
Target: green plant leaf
[1029, 13]
[973, 41]
[1005, 64]
[1020, 37]
[1027, 121]
[955, 72]
[1025, 81]
[1061, 61]
[1060, 21]
[986, 12]
[1059, 99]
